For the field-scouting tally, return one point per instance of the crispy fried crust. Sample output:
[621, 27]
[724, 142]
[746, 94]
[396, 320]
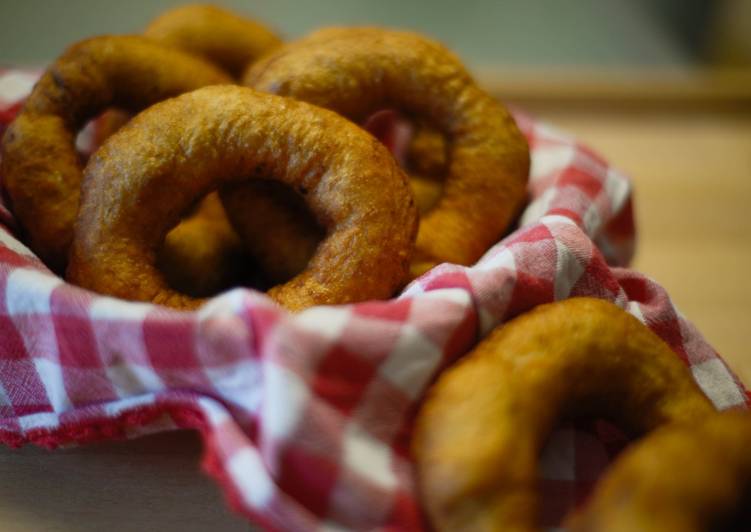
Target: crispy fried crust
[139, 183]
[687, 478]
[229, 41]
[357, 71]
[40, 166]
[203, 255]
[479, 434]
[220, 36]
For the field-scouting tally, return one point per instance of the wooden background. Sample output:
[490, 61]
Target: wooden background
[685, 140]
[687, 145]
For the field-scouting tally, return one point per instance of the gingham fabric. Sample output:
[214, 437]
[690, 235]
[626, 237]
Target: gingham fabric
[306, 418]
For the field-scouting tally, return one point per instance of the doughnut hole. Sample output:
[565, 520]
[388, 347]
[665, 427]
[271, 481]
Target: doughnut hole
[278, 229]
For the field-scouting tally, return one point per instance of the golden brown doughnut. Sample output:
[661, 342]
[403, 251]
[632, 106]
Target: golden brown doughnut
[484, 423]
[200, 257]
[682, 478]
[40, 166]
[218, 35]
[146, 175]
[279, 230]
[227, 40]
[357, 71]
[203, 255]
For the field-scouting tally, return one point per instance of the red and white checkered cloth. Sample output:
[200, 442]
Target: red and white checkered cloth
[306, 418]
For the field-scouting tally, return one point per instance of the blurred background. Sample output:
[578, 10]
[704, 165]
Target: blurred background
[594, 33]
[660, 88]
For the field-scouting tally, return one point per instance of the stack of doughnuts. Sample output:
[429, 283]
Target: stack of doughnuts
[228, 158]
[313, 208]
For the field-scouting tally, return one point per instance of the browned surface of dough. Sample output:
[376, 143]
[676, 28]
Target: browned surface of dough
[357, 71]
[40, 166]
[484, 423]
[202, 256]
[682, 478]
[228, 40]
[282, 235]
[218, 35]
[183, 148]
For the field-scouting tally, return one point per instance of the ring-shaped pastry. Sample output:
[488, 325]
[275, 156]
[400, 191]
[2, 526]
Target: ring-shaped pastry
[41, 168]
[684, 478]
[222, 37]
[358, 71]
[145, 176]
[483, 426]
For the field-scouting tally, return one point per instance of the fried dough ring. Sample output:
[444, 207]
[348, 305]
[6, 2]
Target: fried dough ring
[279, 230]
[227, 40]
[180, 149]
[682, 478]
[357, 71]
[40, 166]
[218, 35]
[203, 255]
[480, 432]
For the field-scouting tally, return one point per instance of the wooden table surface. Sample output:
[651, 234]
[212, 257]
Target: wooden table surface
[692, 173]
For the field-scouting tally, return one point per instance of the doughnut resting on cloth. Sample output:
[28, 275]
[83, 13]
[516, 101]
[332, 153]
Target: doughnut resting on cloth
[480, 432]
[358, 71]
[40, 166]
[690, 477]
[150, 172]
[202, 255]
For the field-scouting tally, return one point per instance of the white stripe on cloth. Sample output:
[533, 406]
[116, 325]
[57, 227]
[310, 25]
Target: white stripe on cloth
[15, 85]
[714, 378]
[412, 362]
